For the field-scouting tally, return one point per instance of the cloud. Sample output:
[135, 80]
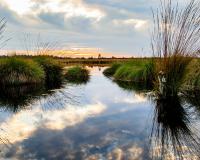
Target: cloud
[70, 8]
[19, 6]
[113, 25]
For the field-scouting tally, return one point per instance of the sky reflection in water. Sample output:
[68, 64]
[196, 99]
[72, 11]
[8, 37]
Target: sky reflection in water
[97, 120]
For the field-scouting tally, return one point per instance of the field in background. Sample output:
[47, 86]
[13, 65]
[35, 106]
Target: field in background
[86, 61]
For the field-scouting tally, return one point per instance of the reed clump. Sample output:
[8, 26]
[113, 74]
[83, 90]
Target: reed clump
[175, 41]
[53, 70]
[77, 74]
[174, 69]
[15, 71]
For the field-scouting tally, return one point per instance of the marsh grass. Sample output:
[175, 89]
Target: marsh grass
[129, 72]
[175, 71]
[110, 71]
[16, 71]
[191, 79]
[133, 71]
[77, 74]
[41, 52]
[53, 70]
[175, 40]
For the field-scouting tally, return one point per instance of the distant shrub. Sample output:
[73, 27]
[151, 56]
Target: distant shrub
[77, 74]
[14, 71]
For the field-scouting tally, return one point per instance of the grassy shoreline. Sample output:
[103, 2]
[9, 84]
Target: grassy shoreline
[18, 71]
[49, 70]
[146, 72]
[139, 71]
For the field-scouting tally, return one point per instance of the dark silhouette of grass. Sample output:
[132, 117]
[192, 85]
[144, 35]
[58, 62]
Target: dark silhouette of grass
[191, 97]
[16, 98]
[172, 132]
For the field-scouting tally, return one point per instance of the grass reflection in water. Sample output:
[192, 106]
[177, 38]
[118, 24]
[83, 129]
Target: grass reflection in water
[16, 98]
[172, 136]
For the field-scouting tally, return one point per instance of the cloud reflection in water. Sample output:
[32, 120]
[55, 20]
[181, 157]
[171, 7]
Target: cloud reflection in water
[21, 125]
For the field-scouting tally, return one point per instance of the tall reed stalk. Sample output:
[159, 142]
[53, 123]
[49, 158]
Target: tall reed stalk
[175, 40]
[2, 30]
[34, 45]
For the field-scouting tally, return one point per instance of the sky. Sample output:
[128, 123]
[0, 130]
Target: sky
[113, 27]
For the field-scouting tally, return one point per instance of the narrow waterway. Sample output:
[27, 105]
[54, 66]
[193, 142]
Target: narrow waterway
[97, 120]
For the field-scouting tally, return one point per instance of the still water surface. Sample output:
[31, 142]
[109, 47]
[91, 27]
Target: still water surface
[97, 120]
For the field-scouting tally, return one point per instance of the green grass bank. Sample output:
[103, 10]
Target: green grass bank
[133, 71]
[182, 73]
[19, 71]
[15, 71]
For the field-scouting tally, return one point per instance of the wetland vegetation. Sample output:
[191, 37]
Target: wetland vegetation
[145, 108]
[15, 71]
[134, 71]
[175, 52]
[77, 74]
[53, 70]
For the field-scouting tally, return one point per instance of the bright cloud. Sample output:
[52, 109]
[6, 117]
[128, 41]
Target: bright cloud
[70, 8]
[19, 6]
